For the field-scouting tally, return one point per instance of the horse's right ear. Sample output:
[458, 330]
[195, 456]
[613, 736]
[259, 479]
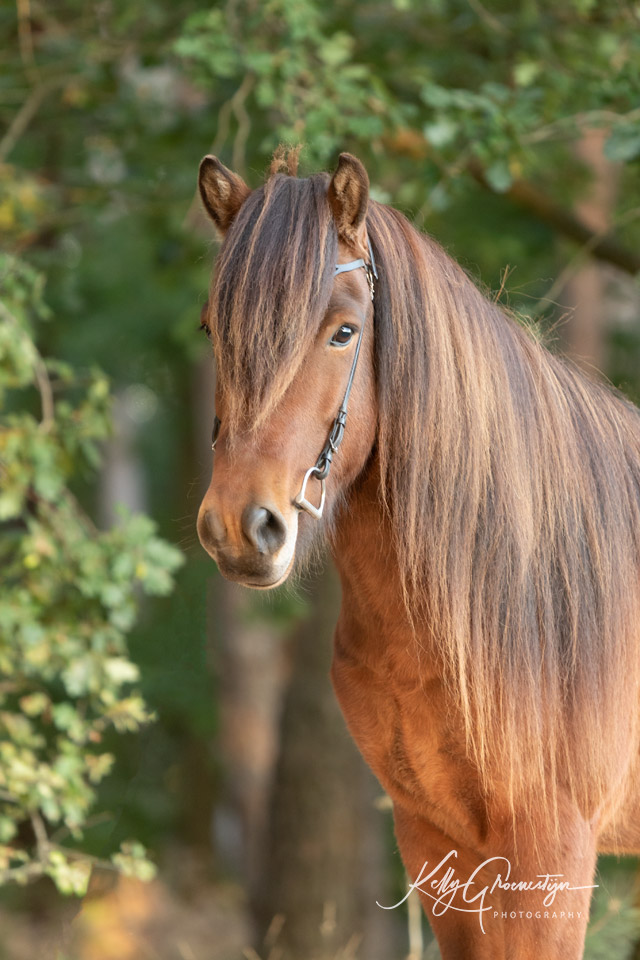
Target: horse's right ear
[222, 192]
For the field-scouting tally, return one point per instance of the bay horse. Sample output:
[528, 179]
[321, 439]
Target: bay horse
[483, 511]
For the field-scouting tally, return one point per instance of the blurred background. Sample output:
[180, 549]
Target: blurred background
[240, 821]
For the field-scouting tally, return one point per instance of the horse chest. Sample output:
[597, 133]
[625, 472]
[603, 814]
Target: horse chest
[401, 726]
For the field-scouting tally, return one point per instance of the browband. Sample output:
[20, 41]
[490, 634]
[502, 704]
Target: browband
[356, 264]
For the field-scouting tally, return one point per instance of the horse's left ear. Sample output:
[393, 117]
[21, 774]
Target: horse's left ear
[348, 197]
[222, 192]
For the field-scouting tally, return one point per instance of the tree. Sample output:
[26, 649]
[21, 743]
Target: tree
[69, 596]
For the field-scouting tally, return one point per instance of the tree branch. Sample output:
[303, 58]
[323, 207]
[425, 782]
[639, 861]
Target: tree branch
[25, 115]
[40, 375]
[538, 204]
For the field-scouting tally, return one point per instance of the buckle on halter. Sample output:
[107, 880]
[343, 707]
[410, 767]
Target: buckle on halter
[301, 501]
[337, 433]
[370, 276]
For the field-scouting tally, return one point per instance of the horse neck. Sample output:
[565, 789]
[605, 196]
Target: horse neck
[373, 617]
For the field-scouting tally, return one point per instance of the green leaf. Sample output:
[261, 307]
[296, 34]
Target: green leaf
[624, 143]
[133, 862]
[498, 176]
[70, 876]
[525, 72]
[119, 670]
[442, 132]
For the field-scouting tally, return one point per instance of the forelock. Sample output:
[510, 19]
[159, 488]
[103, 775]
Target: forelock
[271, 288]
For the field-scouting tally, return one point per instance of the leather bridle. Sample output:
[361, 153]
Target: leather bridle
[322, 466]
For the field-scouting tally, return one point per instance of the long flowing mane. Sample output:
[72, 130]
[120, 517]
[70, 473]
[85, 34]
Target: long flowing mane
[511, 479]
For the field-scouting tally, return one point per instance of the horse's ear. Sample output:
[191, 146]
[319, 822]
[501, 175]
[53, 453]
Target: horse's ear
[222, 192]
[348, 197]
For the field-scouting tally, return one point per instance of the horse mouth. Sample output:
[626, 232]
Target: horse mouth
[273, 584]
[256, 573]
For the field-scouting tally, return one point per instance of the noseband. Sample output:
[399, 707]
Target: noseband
[322, 466]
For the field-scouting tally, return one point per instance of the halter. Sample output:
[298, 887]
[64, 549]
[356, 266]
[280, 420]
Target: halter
[322, 466]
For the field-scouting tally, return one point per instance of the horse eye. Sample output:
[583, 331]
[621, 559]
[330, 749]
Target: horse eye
[205, 326]
[342, 336]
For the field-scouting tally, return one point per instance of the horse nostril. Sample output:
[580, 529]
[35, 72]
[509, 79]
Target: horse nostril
[264, 529]
[211, 527]
[216, 526]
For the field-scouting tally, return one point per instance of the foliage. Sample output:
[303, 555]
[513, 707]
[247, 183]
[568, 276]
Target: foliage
[458, 82]
[298, 70]
[70, 594]
[97, 173]
[614, 921]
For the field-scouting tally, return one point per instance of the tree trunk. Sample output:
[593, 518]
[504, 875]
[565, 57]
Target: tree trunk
[585, 333]
[324, 865]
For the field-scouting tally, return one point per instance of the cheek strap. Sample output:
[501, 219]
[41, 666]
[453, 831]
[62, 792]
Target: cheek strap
[322, 466]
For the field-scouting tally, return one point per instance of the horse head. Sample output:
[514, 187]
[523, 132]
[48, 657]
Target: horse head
[290, 315]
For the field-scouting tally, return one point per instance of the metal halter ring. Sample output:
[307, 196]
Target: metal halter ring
[301, 501]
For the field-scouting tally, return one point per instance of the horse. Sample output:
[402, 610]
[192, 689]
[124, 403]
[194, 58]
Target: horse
[481, 502]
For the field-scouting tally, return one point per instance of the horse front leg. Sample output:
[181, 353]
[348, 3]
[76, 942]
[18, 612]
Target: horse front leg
[469, 898]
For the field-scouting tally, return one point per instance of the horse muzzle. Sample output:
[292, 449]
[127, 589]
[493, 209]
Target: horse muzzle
[255, 549]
